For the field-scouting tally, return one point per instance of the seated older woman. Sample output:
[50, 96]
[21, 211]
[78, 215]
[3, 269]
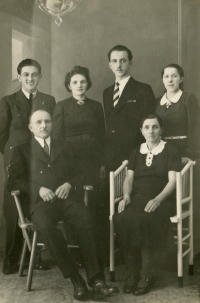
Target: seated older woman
[142, 222]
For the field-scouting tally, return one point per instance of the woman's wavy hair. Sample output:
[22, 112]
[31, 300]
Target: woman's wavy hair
[80, 71]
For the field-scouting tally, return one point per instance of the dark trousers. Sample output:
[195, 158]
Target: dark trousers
[83, 221]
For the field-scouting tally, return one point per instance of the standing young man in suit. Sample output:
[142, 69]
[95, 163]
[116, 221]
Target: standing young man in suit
[14, 118]
[44, 173]
[125, 103]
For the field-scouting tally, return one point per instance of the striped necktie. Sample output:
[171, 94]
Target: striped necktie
[46, 147]
[116, 94]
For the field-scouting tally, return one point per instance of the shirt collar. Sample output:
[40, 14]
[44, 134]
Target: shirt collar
[155, 151]
[174, 99]
[41, 141]
[28, 94]
[122, 83]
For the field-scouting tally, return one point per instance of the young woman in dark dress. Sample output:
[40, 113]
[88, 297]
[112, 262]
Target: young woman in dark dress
[80, 121]
[142, 222]
[180, 113]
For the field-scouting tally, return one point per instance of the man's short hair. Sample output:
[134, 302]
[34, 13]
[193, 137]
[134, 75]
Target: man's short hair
[28, 62]
[120, 48]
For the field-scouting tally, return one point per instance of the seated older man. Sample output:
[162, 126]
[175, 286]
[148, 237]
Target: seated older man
[42, 170]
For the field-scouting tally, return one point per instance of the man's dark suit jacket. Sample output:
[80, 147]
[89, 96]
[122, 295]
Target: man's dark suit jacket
[32, 169]
[14, 119]
[123, 121]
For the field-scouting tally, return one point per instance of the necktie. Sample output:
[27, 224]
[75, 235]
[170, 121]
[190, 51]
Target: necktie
[46, 147]
[116, 94]
[30, 99]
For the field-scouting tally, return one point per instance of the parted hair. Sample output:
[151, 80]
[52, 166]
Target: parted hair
[80, 71]
[28, 62]
[120, 48]
[152, 116]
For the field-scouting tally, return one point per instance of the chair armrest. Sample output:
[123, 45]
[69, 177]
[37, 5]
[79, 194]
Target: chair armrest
[87, 188]
[15, 193]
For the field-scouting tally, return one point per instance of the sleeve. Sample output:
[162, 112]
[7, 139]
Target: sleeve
[174, 159]
[133, 159]
[18, 176]
[148, 101]
[193, 137]
[58, 122]
[5, 122]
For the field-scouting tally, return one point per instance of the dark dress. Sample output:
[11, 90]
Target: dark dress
[182, 119]
[134, 226]
[84, 126]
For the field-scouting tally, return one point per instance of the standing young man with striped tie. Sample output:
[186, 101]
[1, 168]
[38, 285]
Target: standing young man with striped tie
[125, 103]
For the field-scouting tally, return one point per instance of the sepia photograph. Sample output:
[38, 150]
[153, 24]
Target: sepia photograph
[99, 151]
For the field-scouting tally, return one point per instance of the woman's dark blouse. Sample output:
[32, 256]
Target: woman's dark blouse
[134, 226]
[149, 181]
[182, 119]
[84, 126]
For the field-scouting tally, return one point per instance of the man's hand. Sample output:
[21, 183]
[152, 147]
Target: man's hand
[46, 194]
[123, 203]
[62, 192]
[152, 205]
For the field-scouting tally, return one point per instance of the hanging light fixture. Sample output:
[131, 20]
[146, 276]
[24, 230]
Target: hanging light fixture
[57, 8]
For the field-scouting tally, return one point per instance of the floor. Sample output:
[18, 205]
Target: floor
[49, 287]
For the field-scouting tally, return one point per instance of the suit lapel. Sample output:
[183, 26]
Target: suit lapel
[55, 150]
[126, 94]
[22, 101]
[39, 98]
[38, 152]
[109, 99]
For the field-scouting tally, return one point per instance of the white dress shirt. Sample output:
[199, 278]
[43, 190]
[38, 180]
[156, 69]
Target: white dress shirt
[122, 84]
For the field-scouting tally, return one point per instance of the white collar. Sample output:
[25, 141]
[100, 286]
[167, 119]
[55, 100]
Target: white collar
[28, 94]
[41, 141]
[150, 153]
[174, 99]
[155, 151]
[122, 83]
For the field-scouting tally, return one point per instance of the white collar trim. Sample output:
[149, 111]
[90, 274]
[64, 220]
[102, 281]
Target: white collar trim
[41, 141]
[150, 153]
[174, 99]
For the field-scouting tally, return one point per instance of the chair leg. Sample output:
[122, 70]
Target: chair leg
[180, 282]
[21, 267]
[112, 276]
[191, 270]
[31, 263]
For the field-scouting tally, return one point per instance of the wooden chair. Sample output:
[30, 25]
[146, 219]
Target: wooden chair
[184, 204]
[30, 235]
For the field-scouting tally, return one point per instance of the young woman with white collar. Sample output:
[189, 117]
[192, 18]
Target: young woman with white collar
[180, 113]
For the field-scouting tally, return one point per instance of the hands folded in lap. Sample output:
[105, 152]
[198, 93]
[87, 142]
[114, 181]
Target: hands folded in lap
[61, 192]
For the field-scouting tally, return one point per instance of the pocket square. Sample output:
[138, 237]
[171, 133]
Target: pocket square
[131, 101]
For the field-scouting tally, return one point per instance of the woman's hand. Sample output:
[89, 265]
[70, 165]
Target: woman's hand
[185, 160]
[102, 172]
[152, 205]
[123, 203]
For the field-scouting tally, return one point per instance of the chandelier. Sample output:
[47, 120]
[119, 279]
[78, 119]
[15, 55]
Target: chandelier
[57, 8]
